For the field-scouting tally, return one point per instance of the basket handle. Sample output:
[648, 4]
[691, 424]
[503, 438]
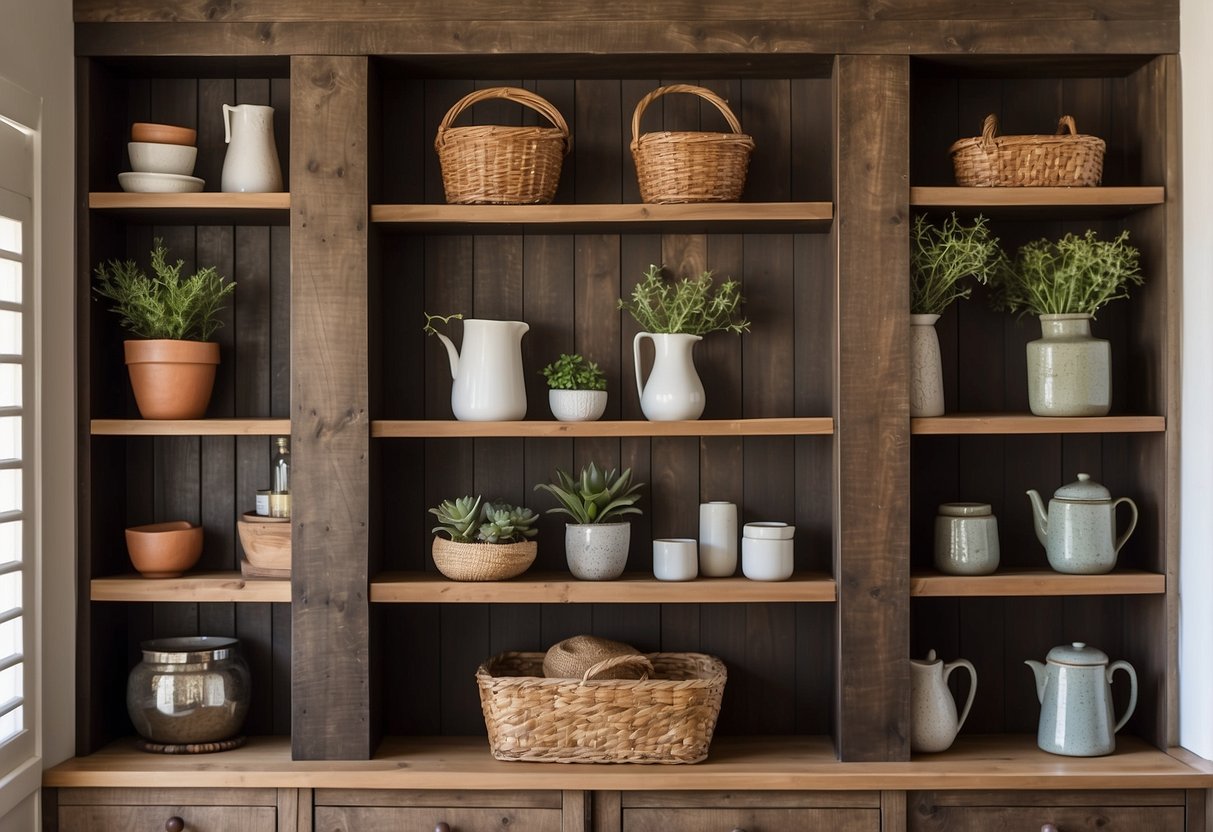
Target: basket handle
[1067, 123]
[704, 93]
[624, 660]
[516, 94]
[988, 128]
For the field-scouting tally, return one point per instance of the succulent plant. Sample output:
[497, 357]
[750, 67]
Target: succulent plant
[471, 520]
[596, 496]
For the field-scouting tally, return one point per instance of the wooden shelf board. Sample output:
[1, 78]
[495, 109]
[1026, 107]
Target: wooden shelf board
[273, 209]
[1021, 423]
[792, 763]
[462, 218]
[632, 588]
[431, 428]
[191, 587]
[1036, 582]
[191, 427]
[1043, 202]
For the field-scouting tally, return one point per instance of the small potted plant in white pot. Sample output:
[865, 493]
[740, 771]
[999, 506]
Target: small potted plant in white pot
[1065, 282]
[484, 541]
[676, 315]
[172, 364]
[596, 542]
[576, 389]
[941, 257]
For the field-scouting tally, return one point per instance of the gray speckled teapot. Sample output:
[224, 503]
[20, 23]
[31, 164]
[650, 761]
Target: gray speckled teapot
[1075, 692]
[1079, 529]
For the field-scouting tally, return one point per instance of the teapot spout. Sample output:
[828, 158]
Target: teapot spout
[452, 353]
[1040, 518]
[1042, 678]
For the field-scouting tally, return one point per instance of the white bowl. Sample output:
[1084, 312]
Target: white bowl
[153, 157]
[159, 183]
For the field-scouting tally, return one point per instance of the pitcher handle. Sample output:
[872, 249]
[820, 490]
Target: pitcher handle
[1128, 668]
[1120, 541]
[227, 123]
[967, 665]
[636, 360]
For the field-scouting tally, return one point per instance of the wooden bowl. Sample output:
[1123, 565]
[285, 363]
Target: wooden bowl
[266, 540]
[164, 550]
[142, 131]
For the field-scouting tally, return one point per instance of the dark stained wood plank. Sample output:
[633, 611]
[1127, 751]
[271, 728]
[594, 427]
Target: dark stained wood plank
[330, 435]
[871, 536]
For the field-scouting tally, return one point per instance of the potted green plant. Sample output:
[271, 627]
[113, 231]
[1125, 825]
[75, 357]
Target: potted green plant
[675, 315]
[485, 541]
[1065, 282]
[941, 258]
[596, 542]
[576, 389]
[172, 360]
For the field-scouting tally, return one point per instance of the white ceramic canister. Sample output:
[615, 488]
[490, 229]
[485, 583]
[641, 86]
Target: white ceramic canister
[767, 552]
[966, 539]
[717, 539]
[675, 559]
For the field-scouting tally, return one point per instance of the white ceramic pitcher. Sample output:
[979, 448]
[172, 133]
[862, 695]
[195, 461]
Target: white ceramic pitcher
[673, 391]
[251, 163]
[489, 386]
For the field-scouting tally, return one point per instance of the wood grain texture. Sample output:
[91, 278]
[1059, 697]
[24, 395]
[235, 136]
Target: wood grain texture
[760, 820]
[959, 424]
[752, 800]
[150, 795]
[194, 586]
[201, 818]
[1057, 199]
[892, 811]
[190, 427]
[608, 216]
[1007, 819]
[357, 819]
[330, 430]
[439, 799]
[1036, 582]
[871, 542]
[807, 426]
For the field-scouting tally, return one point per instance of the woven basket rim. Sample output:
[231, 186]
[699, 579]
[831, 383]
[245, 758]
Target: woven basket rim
[719, 673]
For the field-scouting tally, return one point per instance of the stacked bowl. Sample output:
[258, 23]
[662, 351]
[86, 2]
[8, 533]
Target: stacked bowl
[162, 160]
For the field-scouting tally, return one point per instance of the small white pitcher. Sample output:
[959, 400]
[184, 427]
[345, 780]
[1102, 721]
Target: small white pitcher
[933, 721]
[673, 391]
[251, 163]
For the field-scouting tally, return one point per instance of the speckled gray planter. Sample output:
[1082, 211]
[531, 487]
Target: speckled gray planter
[597, 551]
[1069, 372]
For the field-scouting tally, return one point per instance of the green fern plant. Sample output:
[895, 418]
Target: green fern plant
[692, 306]
[942, 256]
[167, 305]
[1073, 275]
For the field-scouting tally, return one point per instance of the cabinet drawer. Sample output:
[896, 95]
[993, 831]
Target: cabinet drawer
[750, 820]
[461, 819]
[154, 818]
[1064, 818]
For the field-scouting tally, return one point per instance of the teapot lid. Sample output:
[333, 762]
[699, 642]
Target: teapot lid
[1083, 489]
[1077, 653]
[930, 660]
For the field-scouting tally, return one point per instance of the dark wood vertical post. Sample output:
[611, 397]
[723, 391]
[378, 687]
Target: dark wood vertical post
[872, 440]
[330, 428]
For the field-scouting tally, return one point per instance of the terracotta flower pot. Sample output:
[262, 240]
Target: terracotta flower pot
[172, 379]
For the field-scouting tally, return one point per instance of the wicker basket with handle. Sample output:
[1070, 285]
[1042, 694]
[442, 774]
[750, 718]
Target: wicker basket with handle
[666, 718]
[690, 166]
[1065, 159]
[497, 165]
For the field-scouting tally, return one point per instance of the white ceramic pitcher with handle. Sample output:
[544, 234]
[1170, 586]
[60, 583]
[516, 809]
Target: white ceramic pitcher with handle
[673, 391]
[933, 721]
[489, 386]
[251, 163]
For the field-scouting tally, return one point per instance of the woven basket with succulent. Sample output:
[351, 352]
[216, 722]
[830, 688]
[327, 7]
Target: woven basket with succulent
[485, 541]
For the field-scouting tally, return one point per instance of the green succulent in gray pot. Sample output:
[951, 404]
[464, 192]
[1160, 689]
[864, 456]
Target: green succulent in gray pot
[596, 541]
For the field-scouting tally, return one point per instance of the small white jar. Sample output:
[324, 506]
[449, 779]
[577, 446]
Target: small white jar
[675, 559]
[767, 551]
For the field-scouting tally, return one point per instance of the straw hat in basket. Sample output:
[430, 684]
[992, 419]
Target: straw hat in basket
[571, 658]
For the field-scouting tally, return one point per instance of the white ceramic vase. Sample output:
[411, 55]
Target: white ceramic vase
[673, 391]
[577, 405]
[926, 367]
[251, 163]
[489, 386]
[597, 551]
[1069, 371]
[717, 539]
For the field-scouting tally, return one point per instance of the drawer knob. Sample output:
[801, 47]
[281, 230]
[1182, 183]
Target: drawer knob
[442, 827]
[174, 824]
[738, 829]
[1048, 827]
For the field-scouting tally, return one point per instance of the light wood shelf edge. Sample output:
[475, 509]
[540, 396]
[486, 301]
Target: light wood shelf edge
[190, 427]
[947, 196]
[798, 763]
[604, 213]
[1021, 423]
[202, 201]
[191, 587]
[633, 588]
[418, 429]
[1035, 582]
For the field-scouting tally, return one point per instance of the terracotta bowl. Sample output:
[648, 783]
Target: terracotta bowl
[163, 133]
[266, 540]
[164, 550]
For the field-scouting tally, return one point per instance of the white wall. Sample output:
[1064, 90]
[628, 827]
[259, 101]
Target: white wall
[36, 54]
[1196, 493]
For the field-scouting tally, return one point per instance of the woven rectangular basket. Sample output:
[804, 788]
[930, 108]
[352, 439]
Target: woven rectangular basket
[1065, 159]
[666, 719]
